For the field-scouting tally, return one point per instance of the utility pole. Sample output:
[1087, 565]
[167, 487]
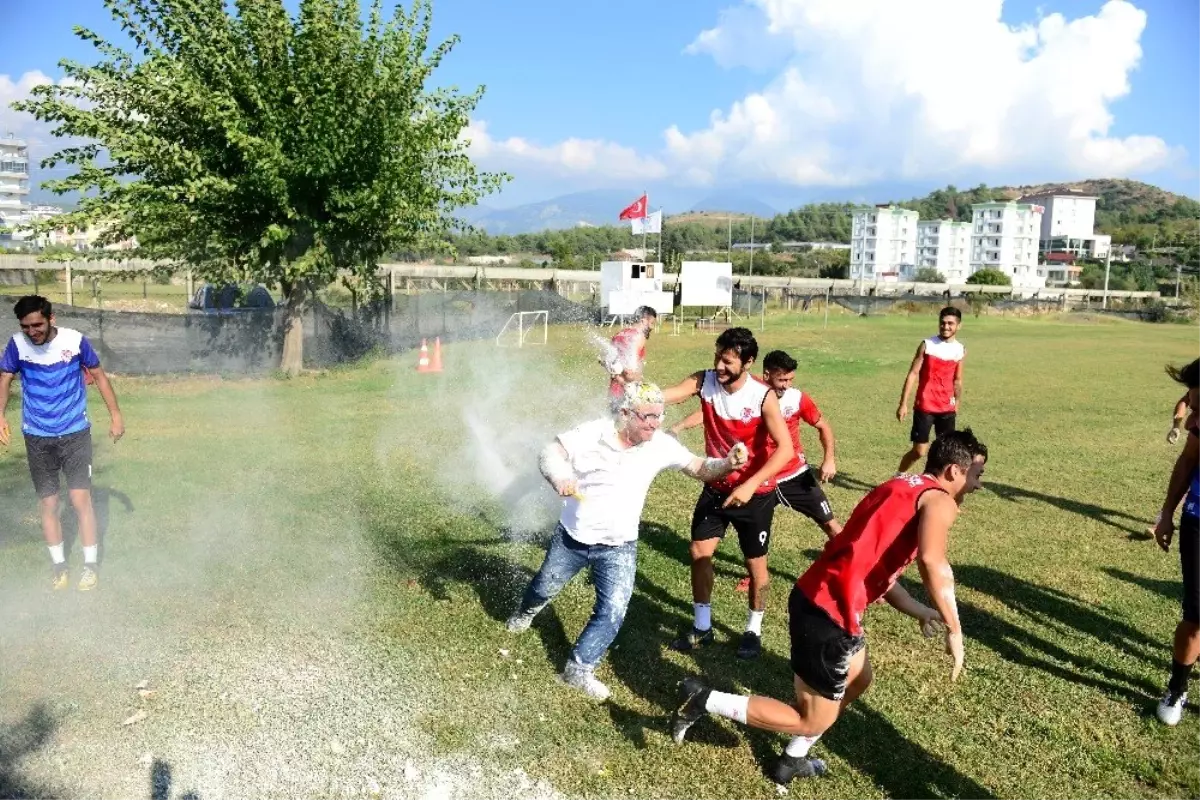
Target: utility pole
[751, 293]
[1107, 265]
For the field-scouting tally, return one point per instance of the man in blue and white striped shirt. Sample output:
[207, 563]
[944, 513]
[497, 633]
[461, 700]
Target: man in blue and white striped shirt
[53, 363]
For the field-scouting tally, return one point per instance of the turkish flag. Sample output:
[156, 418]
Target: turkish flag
[635, 211]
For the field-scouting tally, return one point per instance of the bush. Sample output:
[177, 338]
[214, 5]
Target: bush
[929, 275]
[989, 277]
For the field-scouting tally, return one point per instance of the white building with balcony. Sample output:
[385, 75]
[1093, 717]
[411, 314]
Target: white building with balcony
[1004, 236]
[883, 243]
[945, 245]
[14, 180]
[1069, 223]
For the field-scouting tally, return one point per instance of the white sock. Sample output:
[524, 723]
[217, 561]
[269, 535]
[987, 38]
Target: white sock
[754, 624]
[56, 553]
[800, 745]
[703, 616]
[730, 706]
[89, 553]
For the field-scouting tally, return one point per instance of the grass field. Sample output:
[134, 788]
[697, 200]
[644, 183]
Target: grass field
[312, 576]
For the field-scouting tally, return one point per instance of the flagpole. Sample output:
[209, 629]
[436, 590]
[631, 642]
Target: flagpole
[645, 249]
[660, 227]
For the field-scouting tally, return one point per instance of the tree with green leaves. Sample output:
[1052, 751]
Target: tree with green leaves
[249, 144]
[929, 275]
[989, 277]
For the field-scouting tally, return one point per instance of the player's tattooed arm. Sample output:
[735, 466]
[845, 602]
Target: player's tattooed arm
[555, 467]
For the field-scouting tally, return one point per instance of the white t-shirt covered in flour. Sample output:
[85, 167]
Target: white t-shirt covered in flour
[613, 480]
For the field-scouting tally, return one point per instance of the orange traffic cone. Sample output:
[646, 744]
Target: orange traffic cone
[436, 365]
[423, 358]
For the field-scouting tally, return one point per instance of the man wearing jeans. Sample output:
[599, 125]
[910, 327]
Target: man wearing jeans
[603, 470]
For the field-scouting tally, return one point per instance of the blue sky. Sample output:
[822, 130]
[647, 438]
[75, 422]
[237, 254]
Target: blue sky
[620, 94]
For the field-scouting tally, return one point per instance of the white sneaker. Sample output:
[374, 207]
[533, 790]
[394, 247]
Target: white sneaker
[1170, 708]
[585, 681]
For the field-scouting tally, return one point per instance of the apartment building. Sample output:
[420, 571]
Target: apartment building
[14, 179]
[945, 245]
[1069, 223]
[883, 243]
[1004, 236]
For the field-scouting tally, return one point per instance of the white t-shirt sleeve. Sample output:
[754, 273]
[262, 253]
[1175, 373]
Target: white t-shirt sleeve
[672, 453]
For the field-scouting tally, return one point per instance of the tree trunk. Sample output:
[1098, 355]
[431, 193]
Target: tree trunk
[292, 361]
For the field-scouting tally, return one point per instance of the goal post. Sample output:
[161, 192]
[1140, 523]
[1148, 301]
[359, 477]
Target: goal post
[522, 329]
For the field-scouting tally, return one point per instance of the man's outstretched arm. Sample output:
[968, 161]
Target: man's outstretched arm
[710, 469]
[937, 512]
[688, 387]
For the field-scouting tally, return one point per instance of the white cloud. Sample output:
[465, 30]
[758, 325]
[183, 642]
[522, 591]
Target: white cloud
[18, 122]
[595, 160]
[741, 39]
[873, 90]
[36, 134]
[877, 89]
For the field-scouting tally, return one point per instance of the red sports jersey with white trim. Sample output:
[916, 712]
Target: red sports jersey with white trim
[935, 388]
[795, 406]
[859, 565]
[735, 417]
[624, 341]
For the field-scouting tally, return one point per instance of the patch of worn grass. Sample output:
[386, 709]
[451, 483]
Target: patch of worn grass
[267, 511]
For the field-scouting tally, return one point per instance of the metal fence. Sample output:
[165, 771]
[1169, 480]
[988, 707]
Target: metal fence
[251, 342]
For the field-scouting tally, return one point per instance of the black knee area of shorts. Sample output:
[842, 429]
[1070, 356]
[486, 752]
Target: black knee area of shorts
[820, 650]
[752, 522]
[924, 422]
[1189, 562]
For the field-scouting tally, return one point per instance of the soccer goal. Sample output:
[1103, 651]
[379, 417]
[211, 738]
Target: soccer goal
[522, 327]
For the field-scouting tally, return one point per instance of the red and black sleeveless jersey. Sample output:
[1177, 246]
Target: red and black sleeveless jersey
[935, 386]
[859, 565]
[732, 417]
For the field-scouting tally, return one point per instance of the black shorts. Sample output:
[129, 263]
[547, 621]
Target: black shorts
[821, 650]
[70, 454]
[751, 521]
[1189, 561]
[922, 422]
[804, 494]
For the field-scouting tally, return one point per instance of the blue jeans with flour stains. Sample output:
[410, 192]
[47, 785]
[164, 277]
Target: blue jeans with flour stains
[613, 571]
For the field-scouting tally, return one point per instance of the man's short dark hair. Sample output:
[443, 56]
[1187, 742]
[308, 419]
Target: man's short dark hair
[647, 311]
[954, 447]
[950, 311]
[31, 303]
[1188, 375]
[779, 360]
[740, 341]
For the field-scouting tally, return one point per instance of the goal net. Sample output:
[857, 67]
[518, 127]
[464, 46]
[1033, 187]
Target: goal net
[524, 327]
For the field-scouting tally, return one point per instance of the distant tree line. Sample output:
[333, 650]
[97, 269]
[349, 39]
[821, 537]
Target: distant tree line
[1131, 212]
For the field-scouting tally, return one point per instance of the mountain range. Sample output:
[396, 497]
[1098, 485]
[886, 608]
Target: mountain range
[601, 207]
